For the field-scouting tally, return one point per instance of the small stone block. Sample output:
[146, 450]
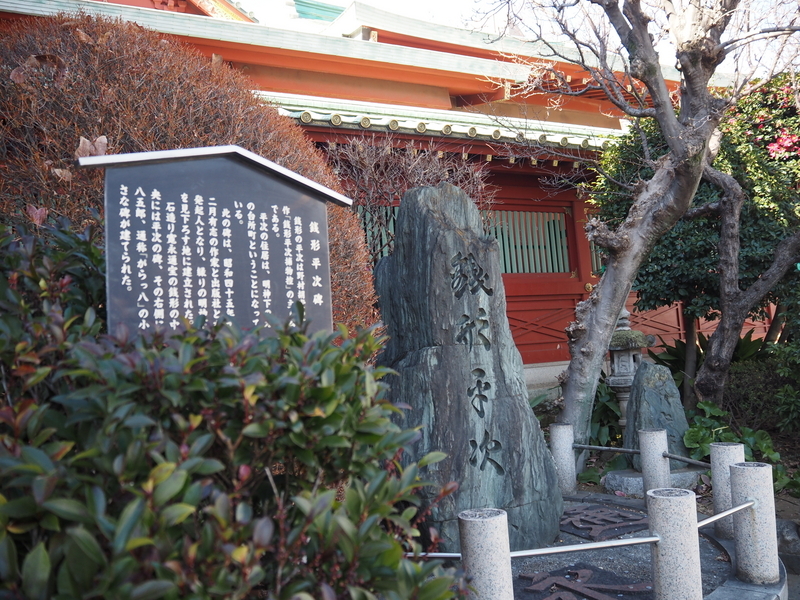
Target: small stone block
[629, 482]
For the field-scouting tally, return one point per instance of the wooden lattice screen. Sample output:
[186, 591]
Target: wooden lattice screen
[530, 242]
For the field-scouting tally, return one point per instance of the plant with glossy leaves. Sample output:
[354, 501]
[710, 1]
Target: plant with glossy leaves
[207, 464]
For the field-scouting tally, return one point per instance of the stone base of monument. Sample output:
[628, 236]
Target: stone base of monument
[629, 482]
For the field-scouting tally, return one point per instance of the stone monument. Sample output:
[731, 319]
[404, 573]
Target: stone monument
[655, 403]
[443, 303]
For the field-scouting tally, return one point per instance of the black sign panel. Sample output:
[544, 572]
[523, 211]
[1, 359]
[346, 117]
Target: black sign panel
[214, 236]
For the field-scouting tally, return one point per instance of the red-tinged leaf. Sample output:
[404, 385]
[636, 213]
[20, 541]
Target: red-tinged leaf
[24, 371]
[19, 75]
[63, 174]
[24, 415]
[83, 37]
[434, 535]
[37, 377]
[61, 450]
[37, 215]
[7, 416]
[42, 487]
[84, 148]
[449, 488]
[29, 357]
[99, 146]
[618, 493]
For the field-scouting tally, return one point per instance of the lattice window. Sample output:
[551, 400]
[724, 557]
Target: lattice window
[530, 242]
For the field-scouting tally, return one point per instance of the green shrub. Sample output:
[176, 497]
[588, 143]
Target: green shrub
[605, 427]
[711, 426]
[751, 394]
[206, 465]
[673, 356]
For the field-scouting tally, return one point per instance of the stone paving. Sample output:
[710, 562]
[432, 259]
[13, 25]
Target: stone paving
[623, 573]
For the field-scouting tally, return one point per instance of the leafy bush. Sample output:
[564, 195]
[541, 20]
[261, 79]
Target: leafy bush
[788, 409]
[214, 464]
[78, 85]
[673, 356]
[605, 427]
[605, 431]
[752, 393]
[711, 426]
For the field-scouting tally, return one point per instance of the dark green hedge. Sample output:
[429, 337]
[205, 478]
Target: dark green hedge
[213, 464]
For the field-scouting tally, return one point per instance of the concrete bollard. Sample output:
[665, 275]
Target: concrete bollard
[755, 535]
[676, 556]
[655, 468]
[486, 553]
[561, 439]
[723, 455]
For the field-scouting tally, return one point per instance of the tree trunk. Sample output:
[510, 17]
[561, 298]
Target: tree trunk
[657, 206]
[774, 331]
[690, 364]
[735, 304]
[710, 382]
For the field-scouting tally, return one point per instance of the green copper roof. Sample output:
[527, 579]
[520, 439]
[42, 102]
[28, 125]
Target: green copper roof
[309, 9]
[372, 116]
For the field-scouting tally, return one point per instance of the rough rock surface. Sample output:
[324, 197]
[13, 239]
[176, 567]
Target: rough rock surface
[655, 403]
[443, 303]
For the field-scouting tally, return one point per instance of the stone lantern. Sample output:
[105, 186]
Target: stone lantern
[626, 354]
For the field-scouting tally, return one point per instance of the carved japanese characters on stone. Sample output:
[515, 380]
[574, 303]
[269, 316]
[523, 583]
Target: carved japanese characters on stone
[467, 274]
[477, 392]
[483, 450]
[474, 330]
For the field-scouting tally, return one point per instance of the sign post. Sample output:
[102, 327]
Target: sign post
[219, 232]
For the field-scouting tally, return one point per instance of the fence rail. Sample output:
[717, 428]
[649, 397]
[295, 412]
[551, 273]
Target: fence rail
[690, 461]
[672, 516]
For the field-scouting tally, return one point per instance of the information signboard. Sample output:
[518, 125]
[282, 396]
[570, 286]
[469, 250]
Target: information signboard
[219, 232]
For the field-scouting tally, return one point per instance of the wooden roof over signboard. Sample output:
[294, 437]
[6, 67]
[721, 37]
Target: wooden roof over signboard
[234, 152]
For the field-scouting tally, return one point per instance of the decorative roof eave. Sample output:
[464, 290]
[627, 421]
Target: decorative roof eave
[369, 116]
[262, 38]
[222, 9]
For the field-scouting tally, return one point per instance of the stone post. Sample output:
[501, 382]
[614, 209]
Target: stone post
[755, 535]
[676, 556]
[655, 468]
[486, 554]
[723, 455]
[561, 439]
